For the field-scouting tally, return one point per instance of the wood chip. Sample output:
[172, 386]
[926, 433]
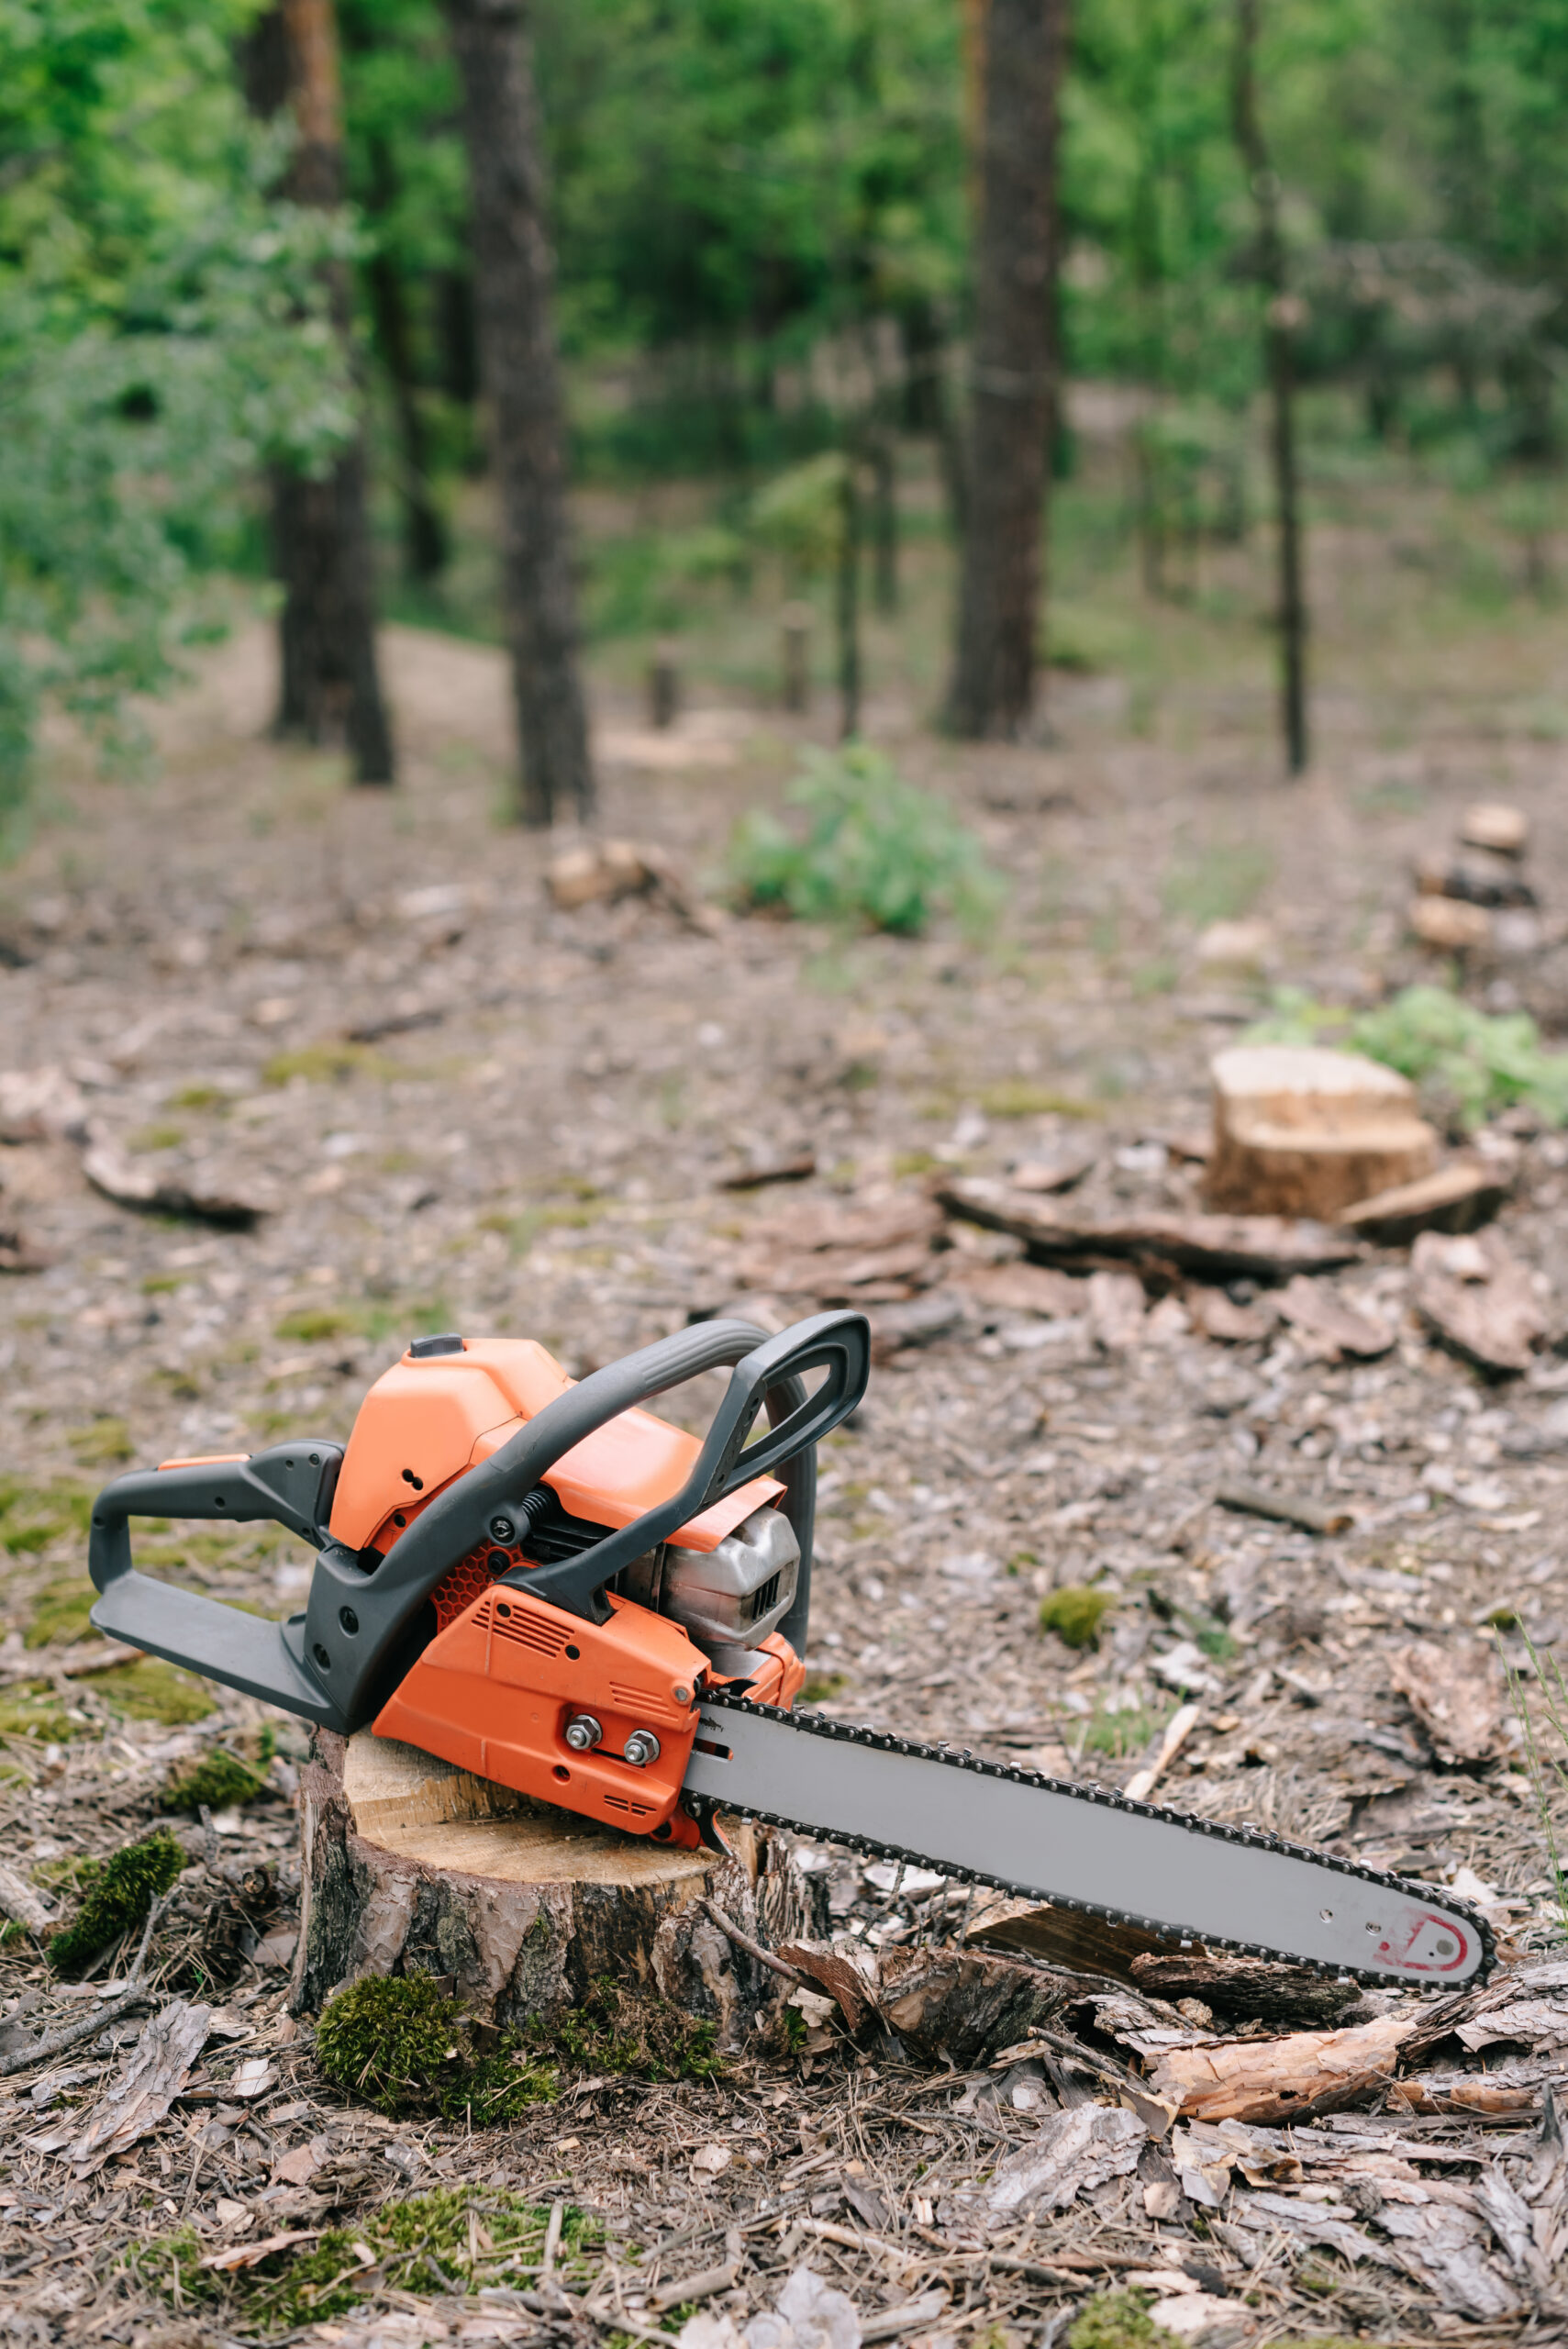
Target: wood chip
[1018, 1288]
[1456, 1693]
[131, 1183]
[158, 2069]
[1216, 1315]
[1071, 2152]
[1284, 1508]
[1330, 1326]
[1221, 1247]
[1478, 1301]
[1461, 1197]
[1282, 2080]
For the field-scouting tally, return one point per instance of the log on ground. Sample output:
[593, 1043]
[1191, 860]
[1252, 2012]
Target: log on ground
[409, 1864]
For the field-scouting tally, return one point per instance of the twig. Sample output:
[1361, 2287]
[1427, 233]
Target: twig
[732, 1931]
[855, 2239]
[136, 1993]
[709, 2280]
[552, 2238]
[1178, 1729]
[1283, 1509]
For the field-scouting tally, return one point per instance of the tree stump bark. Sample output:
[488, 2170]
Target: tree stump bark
[409, 1864]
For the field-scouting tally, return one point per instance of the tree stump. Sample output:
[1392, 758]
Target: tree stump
[409, 1864]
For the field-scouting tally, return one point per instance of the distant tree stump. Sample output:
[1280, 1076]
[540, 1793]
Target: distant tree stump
[410, 1865]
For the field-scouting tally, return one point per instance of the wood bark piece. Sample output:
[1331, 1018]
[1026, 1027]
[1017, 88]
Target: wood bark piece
[153, 1190]
[1300, 1130]
[158, 2068]
[1215, 1247]
[1455, 1694]
[1000, 1289]
[1492, 824]
[1283, 1509]
[1477, 1299]
[1461, 1197]
[1332, 1327]
[1216, 1315]
[1062, 1936]
[1246, 1985]
[1449, 924]
[409, 1864]
[1281, 2079]
[1071, 2152]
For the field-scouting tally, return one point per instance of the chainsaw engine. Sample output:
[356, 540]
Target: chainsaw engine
[730, 1597]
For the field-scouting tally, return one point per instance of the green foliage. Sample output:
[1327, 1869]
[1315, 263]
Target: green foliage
[800, 516]
[117, 1896]
[1075, 1614]
[396, 2043]
[33, 1516]
[35, 1712]
[876, 851]
[105, 1444]
[1117, 2321]
[310, 1324]
[1118, 1734]
[161, 330]
[220, 1779]
[1470, 1065]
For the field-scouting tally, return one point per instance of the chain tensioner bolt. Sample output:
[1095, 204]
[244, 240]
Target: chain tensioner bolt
[641, 1748]
[583, 1733]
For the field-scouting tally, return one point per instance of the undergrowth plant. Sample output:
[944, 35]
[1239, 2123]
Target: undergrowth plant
[1548, 1772]
[874, 851]
[116, 1895]
[1470, 1065]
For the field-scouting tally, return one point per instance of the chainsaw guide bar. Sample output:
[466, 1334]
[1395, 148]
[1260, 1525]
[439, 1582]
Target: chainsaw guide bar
[885, 1795]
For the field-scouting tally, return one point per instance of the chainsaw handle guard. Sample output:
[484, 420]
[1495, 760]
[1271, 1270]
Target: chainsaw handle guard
[771, 1376]
[290, 1483]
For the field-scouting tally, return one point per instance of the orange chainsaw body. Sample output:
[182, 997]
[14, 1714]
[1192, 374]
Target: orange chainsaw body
[496, 1686]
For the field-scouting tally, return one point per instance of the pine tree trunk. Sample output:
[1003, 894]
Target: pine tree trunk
[329, 685]
[992, 693]
[1280, 317]
[424, 534]
[514, 284]
[408, 1864]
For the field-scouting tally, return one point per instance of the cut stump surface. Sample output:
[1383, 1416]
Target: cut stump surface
[410, 1865]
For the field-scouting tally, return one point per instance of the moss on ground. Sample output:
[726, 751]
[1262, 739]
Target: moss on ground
[442, 2242]
[35, 1712]
[1075, 1614]
[220, 1779]
[401, 2046]
[152, 1691]
[116, 1893]
[105, 1444]
[60, 1613]
[1118, 2320]
[33, 1516]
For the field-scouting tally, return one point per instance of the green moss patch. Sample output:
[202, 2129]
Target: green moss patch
[60, 1613]
[33, 1516]
[116, 1893]
[221, 1780]
[35, 1712]
[106, 1444]
[1118, 2320]
[1075, 1614]
[449, 2241]
[152, 1691]
[398, 2044]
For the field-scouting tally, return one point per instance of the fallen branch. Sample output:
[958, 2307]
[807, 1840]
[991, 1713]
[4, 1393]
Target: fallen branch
[1178, 1729]
[1283, 1509]
[135, 1994]
[707, 2281]
[732, 1931]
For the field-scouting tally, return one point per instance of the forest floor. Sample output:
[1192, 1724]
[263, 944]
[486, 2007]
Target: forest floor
[463, 1108]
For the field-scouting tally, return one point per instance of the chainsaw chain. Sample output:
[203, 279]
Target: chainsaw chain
[1106, 1799]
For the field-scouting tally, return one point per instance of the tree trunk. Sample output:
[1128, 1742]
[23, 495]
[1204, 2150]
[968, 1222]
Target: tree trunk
[514, 283]
[992, 693]
[847, 599]
[424, 534]
[409, 1864]
[329, 687]
[1280, 319]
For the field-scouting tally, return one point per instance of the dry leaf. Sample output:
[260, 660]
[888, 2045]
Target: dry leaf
[1454, 1693]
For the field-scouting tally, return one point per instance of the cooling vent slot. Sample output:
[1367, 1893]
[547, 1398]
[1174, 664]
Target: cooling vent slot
[634, 1810]
[763, 1599]
[638, 1700]
[529, 1626]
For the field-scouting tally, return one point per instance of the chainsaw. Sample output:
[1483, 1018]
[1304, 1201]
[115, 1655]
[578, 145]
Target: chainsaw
[541, 1582]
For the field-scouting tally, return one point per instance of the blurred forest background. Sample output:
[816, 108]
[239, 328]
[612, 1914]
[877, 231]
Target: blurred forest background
[1269, 263]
